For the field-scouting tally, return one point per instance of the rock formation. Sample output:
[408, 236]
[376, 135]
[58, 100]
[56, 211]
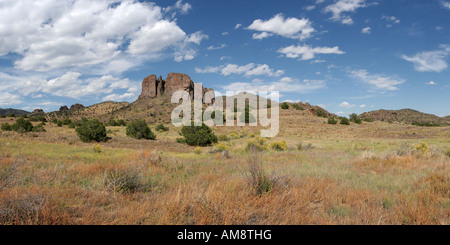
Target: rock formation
[76, 107]
[153, 87]
[63, 108]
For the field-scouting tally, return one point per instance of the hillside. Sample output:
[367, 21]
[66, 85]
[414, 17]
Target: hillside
[16, 112]
[101, 111]
[405, 116]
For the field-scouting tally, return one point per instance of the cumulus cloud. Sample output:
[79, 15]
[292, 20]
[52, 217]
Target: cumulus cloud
[377, 81]
[431, 83]
[366, 30]
[69, 85]
[307, 52]
[339, 9]
[346, 105]
[248, 70]
[51, 34]
[430, 61]
[8, 99]
[237, 26]
[286, 27]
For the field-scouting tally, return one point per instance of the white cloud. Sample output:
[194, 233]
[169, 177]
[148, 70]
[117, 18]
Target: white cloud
[431, 83]
[179, 6]
[290, 27]
[69, 85]
[445, 4]
[120, 97]
[362, 106]
[430, 61]
[366, 30]
[8, 99]
[248, 70]
[307, 52]
[391, 20]
[262, 35]
[217, 47]
[304, 87]
[51, 34]
[346, 105]
[340, 7]
[224, 33]
[376, 81]
[237, 26]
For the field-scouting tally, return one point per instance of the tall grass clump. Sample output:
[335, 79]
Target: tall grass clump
[259, 180]
[122, 180]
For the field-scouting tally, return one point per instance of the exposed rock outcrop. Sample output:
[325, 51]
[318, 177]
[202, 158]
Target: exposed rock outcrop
[76, 107]
[153, 87]
[63, 108]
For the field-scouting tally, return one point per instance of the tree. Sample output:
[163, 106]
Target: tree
[22, 126]
[139, 129]
[345, 121]
[332, 120]
[92, 130]
[198, 135]
[284, 106]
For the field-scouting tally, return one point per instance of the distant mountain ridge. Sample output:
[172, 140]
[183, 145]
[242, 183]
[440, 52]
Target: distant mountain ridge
[406, 116]
[16, 112]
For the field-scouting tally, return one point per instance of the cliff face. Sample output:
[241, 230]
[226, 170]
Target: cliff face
[153, 87]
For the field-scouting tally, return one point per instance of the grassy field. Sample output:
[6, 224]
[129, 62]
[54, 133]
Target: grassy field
[373, 173]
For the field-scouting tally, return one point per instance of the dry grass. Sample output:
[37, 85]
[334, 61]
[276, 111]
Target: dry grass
[349, 175]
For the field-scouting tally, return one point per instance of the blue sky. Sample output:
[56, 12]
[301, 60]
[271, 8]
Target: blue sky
[345, 55]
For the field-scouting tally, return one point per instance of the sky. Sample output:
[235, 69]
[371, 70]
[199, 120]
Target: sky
[348, 56]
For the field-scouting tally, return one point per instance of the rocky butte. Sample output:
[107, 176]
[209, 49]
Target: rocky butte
[153, 87]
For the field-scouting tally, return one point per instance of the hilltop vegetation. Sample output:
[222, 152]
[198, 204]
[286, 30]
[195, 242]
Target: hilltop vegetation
[406, 116]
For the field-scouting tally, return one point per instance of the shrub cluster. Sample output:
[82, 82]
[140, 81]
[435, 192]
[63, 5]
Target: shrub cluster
[279, 146]
[258, 144]
[321, 113]
[284, 106]
[297, 107]
[92, 130]
[332, 120]
[354, 118]
[198, 135]
[139, 129]
[161, 128]
[115, 123]
[344, 121]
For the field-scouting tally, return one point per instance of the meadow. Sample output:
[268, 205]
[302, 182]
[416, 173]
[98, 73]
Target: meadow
[372, 174]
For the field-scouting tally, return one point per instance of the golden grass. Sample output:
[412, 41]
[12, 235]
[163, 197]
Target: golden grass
[345, 175]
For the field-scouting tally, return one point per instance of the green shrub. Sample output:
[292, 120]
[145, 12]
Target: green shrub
[345, 121]
[297, 107]
[22, 126]
[367, 119]
[65, 121]
[6, 127]
[59, 123]
[92, 130]
[139, 129]
[321, 113]
[447, 152]
[284, 106]
[423, 148]
[198, 135]
[354, 118]
[11, 115]
[332, 120]
[39, 128]
[198, 151]
[121, 122]
[97, 148]
[161, 128]
[112, 122]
